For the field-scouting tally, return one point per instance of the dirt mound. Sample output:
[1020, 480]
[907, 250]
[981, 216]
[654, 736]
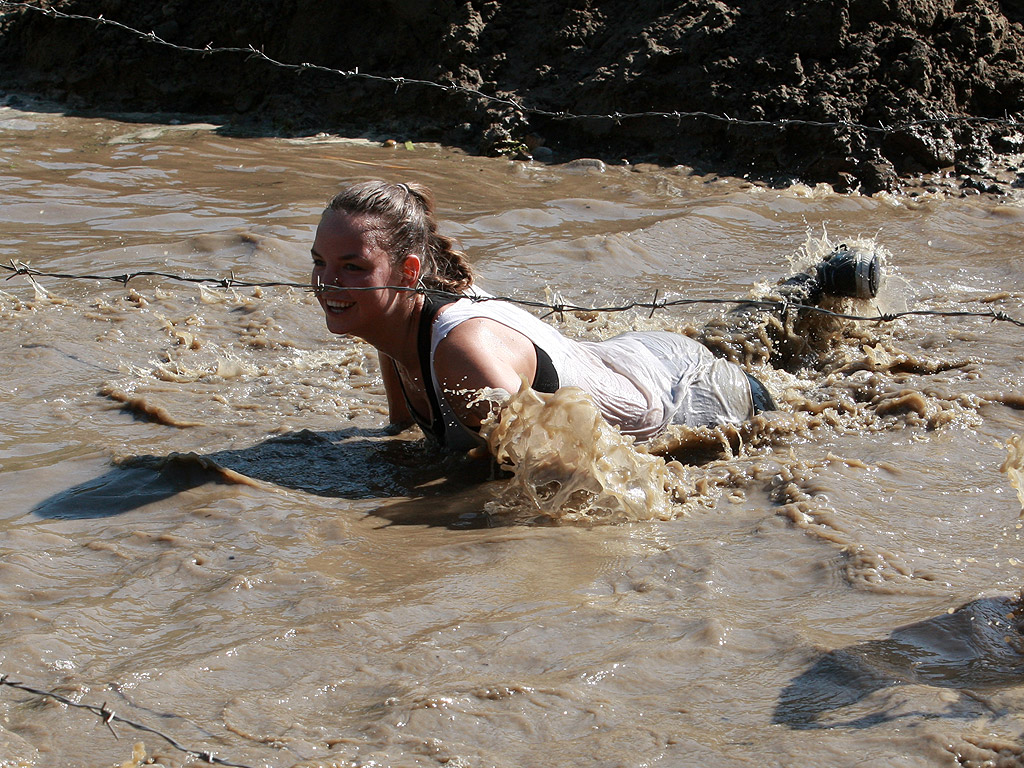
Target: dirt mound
[766, 88]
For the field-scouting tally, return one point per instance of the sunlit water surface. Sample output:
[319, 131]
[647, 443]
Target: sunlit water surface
[205, 526]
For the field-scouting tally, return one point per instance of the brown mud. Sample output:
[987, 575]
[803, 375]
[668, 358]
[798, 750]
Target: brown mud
[929, 66]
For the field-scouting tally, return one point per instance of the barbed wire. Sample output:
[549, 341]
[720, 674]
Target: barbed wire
[109, 717]
[559, 306]
[514, 100]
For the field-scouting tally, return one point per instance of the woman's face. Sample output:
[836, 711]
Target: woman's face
[344, 255]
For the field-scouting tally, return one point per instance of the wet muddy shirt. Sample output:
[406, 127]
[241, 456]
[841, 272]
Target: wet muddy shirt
[640, 381]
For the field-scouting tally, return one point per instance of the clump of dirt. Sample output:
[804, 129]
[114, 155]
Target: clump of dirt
[856, 93]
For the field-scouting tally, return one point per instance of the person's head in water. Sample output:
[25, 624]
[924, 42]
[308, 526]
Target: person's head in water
[400, 222]
[374, 236]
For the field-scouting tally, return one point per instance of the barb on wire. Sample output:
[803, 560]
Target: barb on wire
[559, 307]
[515, 101]
[654, 304]
[109, 717]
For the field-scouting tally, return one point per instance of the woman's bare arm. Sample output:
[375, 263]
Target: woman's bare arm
[481, 354]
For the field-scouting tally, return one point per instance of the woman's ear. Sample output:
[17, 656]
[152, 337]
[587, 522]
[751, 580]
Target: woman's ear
[411, 270]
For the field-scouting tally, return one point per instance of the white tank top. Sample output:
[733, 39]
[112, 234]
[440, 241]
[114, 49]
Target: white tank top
[640, 381]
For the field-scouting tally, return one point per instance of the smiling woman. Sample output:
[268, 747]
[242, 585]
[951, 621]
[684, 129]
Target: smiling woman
[384, 274]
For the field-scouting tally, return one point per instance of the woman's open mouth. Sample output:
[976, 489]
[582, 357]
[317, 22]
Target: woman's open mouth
[336, 306]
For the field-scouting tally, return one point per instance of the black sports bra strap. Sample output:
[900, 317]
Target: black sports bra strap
[428, 313]
[431, 306]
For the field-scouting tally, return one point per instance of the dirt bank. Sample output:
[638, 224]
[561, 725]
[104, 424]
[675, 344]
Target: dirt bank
[763, 73]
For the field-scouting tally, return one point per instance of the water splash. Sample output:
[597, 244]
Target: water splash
[570, 465]
[1013, 466]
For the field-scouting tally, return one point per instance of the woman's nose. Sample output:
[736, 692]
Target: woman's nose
[325, 276]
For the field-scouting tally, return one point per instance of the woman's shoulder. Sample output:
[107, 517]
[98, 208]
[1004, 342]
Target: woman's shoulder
[481, 353]
[493, 310]
[481, 304]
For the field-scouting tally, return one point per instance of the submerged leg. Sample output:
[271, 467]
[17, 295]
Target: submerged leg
[852, 272]
[754, 334]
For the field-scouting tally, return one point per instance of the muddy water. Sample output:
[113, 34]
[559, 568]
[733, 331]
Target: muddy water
[205, 526]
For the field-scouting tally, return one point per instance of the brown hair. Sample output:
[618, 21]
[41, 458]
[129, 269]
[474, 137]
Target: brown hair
[406, 225]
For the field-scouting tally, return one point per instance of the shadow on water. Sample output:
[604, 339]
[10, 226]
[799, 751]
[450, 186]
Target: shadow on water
[353, 464]
[978, 646]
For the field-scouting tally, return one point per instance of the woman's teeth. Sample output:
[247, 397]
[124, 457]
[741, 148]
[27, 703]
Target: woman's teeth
[337, 306]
